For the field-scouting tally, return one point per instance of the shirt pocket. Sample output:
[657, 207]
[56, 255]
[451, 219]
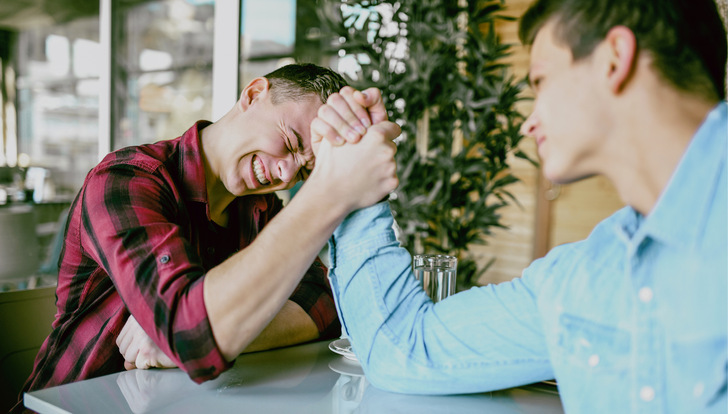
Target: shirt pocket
[587, 345]
[700, 377]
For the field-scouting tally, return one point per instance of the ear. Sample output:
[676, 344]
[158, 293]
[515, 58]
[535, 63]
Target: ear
[257, 89]
[622, 48]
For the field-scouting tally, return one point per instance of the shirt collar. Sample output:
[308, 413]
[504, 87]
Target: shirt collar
[679, 215]
[192, 166]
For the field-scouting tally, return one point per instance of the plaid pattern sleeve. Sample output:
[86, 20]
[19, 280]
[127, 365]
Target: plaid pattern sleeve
[129, 220]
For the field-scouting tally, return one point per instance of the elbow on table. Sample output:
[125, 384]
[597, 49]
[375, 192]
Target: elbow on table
[392, 377]
[387, 381]
[412, 378]
[404, 384]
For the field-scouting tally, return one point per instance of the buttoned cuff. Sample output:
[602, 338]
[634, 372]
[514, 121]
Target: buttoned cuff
[363, 232]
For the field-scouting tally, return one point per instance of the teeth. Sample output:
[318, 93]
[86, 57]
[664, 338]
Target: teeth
[258, 169]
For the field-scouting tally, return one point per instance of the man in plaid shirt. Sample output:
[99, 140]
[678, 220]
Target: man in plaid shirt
[180, 234]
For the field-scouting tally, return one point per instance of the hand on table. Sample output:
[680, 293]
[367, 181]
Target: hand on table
[138, 349]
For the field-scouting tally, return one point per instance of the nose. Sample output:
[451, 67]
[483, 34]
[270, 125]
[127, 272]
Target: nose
[287, 168]
[528, 127]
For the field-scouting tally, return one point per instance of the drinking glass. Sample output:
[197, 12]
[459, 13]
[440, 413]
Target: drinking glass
[437, 274]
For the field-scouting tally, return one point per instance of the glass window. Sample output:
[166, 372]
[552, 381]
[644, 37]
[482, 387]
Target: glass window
[162, 75]
[57, 87]
[162, 53]
[267, 39]
[278, 32]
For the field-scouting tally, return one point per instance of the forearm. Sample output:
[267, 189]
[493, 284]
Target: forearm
[292, 325]
[482, 339]
[345, 178]
[239, 308]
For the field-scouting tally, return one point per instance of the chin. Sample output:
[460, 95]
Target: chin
[263, 190]
[564, 177]
[554, 171]
[238, 190]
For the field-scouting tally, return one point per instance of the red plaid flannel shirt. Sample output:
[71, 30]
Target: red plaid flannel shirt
[140, 239]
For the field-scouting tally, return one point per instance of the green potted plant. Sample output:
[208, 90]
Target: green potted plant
[440, 66]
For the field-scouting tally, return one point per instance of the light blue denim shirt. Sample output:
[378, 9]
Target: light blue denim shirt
[632, 319]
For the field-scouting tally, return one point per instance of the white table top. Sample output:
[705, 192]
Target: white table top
[302, 379]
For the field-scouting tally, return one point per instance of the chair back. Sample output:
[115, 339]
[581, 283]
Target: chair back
[25, 322]
[18, 242]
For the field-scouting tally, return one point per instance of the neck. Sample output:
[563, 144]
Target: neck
[649, 143]
[218, 197]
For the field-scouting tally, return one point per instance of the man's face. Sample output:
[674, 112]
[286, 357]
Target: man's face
[274, 150]
[566, 120]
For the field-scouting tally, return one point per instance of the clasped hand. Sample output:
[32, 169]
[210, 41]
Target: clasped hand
[362, 174]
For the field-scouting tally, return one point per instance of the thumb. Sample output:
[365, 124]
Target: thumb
[321, 149]
[371, 99]
[315, 140]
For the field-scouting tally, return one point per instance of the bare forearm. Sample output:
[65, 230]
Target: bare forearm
[292, 325]
[239, 308]
[344, 179]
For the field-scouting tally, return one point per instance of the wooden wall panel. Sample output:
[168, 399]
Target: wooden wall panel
[579, 207]
[513, 247]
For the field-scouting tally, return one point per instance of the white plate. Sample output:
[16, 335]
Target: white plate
[347, 367]
[343, 348]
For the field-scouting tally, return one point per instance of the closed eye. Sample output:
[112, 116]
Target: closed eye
[299, 140]
[307, 158]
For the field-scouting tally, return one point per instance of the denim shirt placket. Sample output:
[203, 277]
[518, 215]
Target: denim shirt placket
[648, 394]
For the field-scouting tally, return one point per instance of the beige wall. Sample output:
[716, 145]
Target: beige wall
[513, 247]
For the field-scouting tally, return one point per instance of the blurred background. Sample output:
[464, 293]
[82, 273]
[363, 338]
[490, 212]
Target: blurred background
[81, 78]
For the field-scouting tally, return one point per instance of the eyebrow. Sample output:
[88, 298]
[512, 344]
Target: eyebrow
[300, 140]
[301, 147]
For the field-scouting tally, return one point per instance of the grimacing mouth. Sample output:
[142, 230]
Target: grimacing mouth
[259, 171]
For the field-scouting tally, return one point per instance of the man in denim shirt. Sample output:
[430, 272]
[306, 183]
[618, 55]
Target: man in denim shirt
[632, 319]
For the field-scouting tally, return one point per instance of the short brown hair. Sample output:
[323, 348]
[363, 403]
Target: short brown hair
[298, 81]
[686, 37]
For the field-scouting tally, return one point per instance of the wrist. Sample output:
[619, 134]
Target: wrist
[324, 196]
[367, 220]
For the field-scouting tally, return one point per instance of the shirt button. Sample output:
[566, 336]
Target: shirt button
[211, 250]
[645, 294]
[164, 259]
[698, 389]
[594, 360]
[647, 394]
